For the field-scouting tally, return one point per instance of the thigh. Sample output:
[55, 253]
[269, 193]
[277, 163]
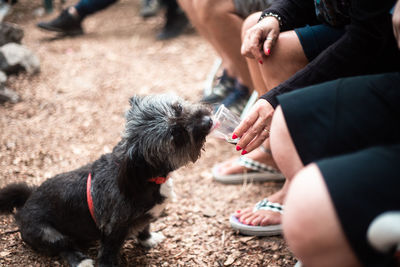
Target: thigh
[311, 225]
[286, 58]
[363, 185]
[343, 116]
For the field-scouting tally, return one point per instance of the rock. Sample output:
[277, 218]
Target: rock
[229, 261]
[15, 57]
[209, 213]
[10, 33]
[8, 95]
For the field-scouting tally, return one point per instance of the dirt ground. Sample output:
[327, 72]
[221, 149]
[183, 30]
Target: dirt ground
[72, 112]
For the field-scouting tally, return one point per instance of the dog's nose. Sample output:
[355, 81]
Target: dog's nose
[207, 122]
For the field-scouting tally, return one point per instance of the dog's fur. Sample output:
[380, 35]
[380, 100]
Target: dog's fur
[162, 133]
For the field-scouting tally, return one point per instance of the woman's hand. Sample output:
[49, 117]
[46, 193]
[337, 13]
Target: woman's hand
[396, 22]
[254, 129]
[260, 38]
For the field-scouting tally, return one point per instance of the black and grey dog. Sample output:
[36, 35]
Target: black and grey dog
[120, 193]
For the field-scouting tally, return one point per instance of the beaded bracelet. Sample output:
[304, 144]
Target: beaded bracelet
[269, 14]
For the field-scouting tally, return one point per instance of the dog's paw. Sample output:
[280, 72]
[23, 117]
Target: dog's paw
[153, 240]
[86, 263]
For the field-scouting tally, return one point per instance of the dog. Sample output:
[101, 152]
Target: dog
[120, 193]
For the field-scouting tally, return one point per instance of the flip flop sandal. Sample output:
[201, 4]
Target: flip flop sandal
[258, 172]
[268, 230]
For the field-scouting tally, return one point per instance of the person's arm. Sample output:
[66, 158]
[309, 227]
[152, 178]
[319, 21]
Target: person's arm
[357, 52]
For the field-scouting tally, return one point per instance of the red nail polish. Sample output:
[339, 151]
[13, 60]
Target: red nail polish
[238, 148]
[238, 211]
[234, 136]
[268, 52]
[260, 61]
[244, 152]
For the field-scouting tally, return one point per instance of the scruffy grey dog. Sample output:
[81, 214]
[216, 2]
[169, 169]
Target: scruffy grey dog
[117, 195]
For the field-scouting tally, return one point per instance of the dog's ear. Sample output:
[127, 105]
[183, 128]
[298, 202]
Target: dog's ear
[180, 136]
[135, 100]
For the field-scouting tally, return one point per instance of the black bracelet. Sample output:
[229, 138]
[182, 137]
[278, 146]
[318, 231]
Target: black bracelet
[270, 14]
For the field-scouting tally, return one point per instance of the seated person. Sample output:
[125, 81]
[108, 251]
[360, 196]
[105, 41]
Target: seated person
[340, 143]
[345, 175]
[293, 59]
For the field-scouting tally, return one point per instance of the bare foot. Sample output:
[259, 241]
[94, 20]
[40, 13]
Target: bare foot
[262, 217]
[231, 166]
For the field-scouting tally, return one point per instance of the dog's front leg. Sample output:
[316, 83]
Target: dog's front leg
[150, 239]
[110, 247]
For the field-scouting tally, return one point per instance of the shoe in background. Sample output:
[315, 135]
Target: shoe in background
[65, 23]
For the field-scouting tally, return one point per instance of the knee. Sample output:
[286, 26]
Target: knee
[207, 10]
[278, 131]
[283, 148]
[249, 22]
[301, 220]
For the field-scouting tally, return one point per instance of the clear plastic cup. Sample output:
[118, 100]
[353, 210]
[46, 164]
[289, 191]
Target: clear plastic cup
[225, 122]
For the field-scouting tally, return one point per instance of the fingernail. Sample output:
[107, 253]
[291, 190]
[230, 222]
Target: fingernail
[260, 61]
[234, 136]
[238, 148]
[238, 211]
[268, 52]
[244, 152]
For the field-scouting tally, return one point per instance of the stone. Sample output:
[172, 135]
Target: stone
[15, 57]
[8, 95]
[10, 33]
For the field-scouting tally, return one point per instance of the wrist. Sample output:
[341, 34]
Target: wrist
[273, 15]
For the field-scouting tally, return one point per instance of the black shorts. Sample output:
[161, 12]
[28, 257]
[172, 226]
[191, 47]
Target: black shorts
[351, 129]
[315, 39]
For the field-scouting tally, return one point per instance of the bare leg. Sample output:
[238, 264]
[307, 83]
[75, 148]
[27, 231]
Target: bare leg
[288, 161]
[295, 61]
[253, 65]
[286, 58]
[310, 223]
[216, 21]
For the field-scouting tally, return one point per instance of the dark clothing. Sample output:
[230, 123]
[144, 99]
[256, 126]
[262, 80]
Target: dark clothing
[350, 128]
[334, 12]
[315, 39]
[367, 46]
[88, 7]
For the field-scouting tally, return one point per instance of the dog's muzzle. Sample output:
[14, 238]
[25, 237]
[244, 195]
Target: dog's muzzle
[206, 123]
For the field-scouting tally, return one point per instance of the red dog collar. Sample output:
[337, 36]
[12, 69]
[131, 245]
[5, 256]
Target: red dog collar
[89, 197]
[158, 180]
